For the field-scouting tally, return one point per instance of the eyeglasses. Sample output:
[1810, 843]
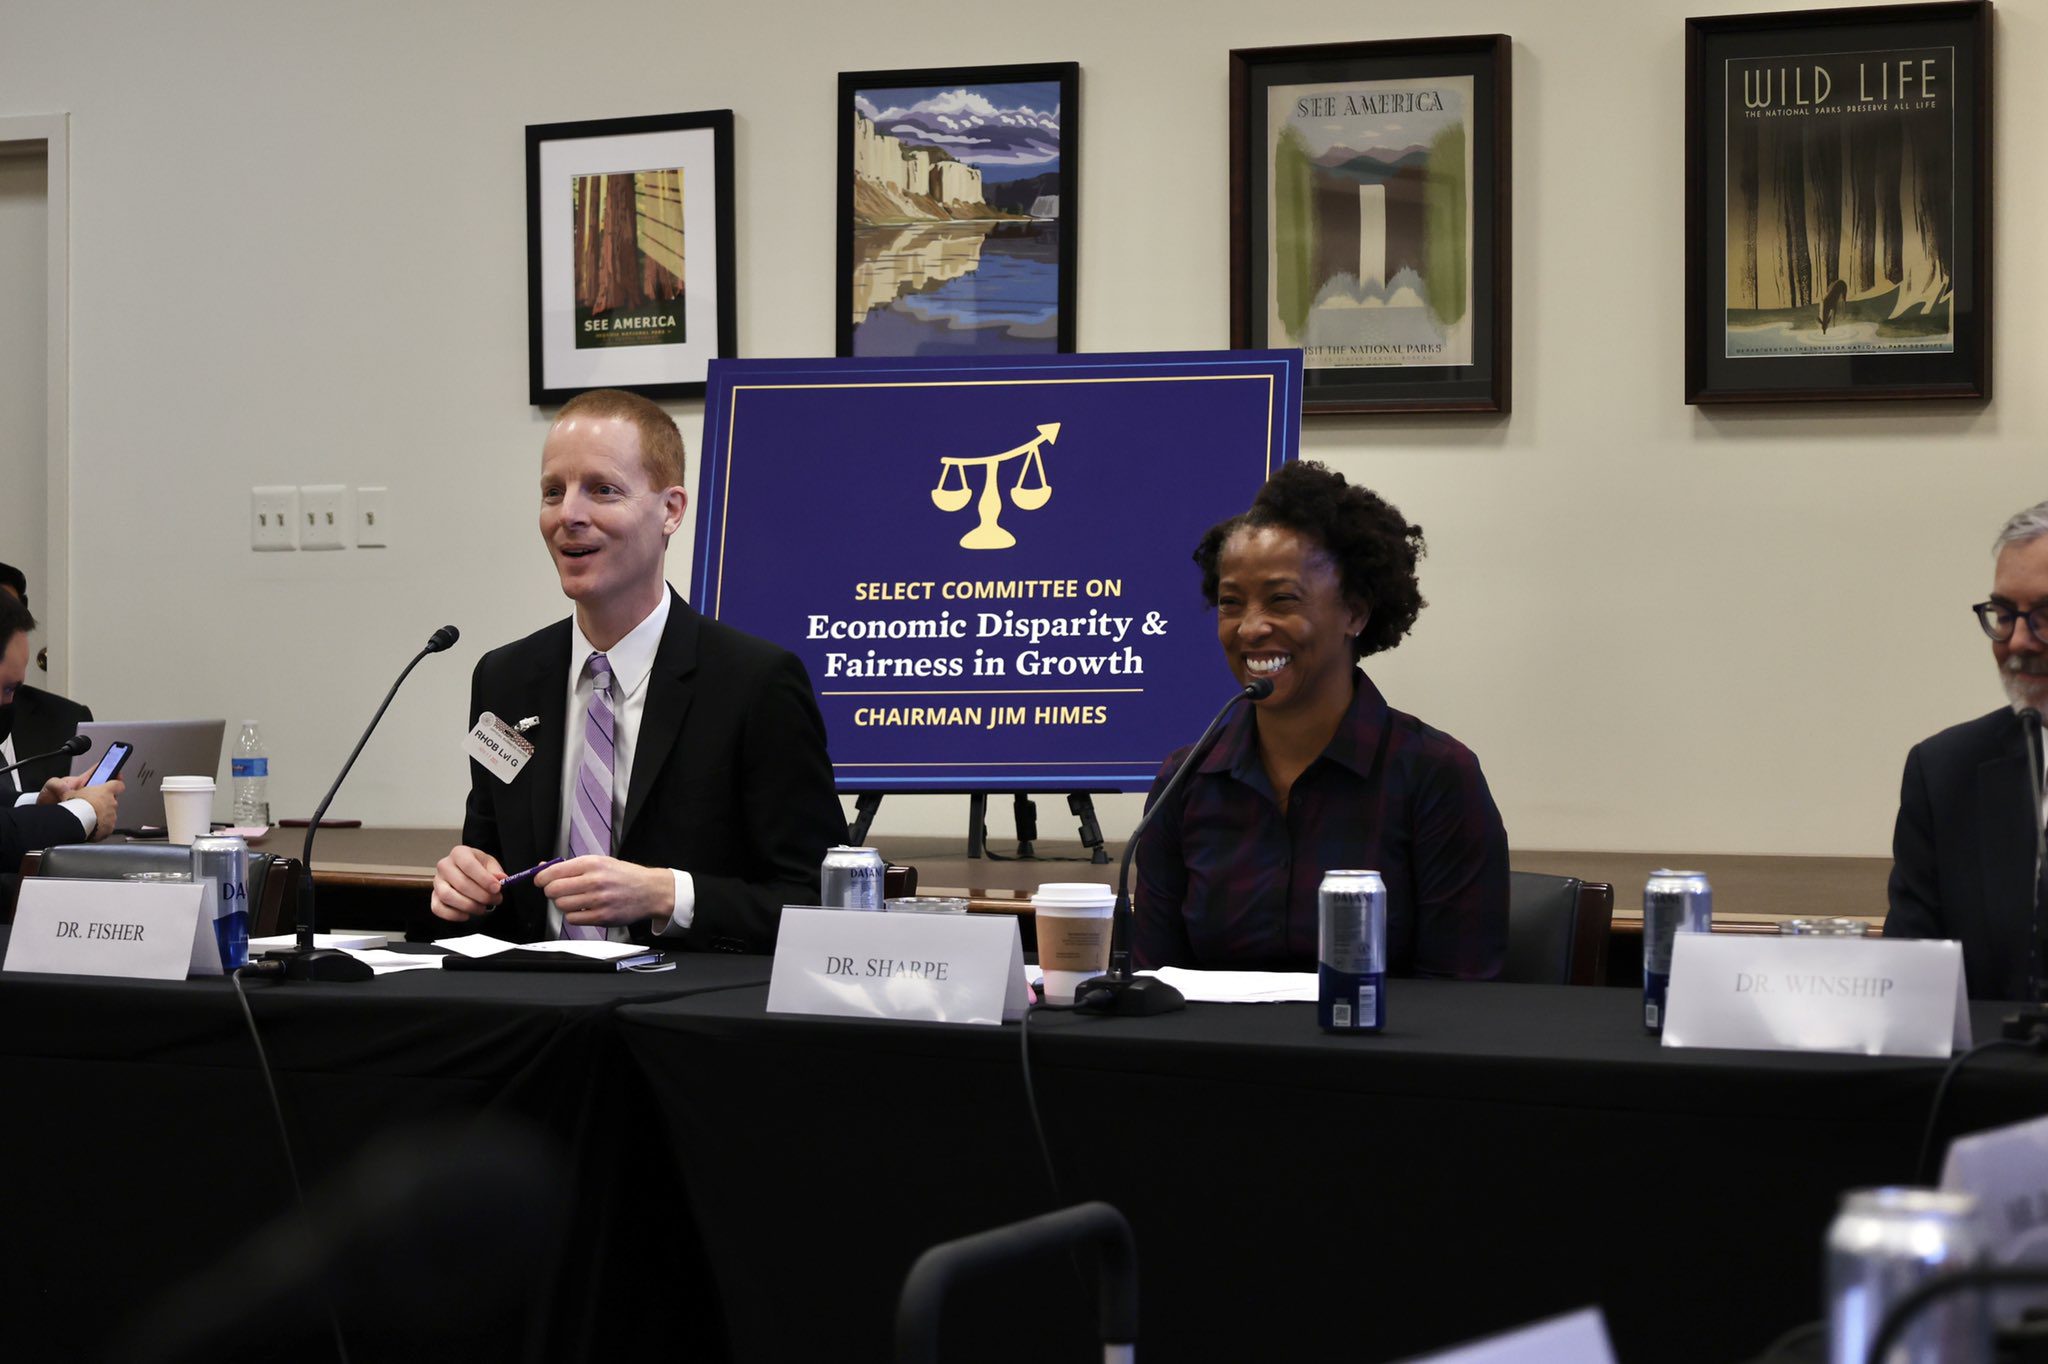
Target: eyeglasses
[1998, 620]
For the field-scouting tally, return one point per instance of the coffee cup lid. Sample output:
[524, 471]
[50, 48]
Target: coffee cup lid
[1078, 894]
[187, 784]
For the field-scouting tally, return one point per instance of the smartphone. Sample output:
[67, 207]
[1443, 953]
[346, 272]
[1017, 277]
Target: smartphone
[110, 765]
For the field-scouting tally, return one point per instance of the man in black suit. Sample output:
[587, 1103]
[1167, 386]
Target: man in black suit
[58, 809]
[35, 721]
[689, 757]
[1963, 851]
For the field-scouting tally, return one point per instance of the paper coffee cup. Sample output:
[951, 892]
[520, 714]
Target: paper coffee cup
[188, 807]
[1073, 924]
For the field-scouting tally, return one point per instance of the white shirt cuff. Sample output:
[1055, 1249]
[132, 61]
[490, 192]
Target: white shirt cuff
[686, 905]
[83, 809]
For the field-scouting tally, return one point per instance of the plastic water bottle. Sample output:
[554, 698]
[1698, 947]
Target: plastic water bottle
[252, 778]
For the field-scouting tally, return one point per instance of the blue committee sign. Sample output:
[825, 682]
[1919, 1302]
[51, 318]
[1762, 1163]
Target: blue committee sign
[985, 564]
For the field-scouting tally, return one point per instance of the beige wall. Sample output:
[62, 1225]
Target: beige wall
[299, 257]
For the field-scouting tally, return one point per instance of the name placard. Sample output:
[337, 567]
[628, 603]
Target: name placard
[939, 968]
[1874, 996]
[146, 930]
[1580, 1338]
[2007, 1169]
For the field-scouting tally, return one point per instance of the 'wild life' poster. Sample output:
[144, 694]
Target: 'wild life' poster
[1841, 229]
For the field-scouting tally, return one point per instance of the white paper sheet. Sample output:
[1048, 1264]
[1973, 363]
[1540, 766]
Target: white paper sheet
[385, 962]
[475, 945]
[1241, 987]
[279, 941]
[484, 945]
[598, 949]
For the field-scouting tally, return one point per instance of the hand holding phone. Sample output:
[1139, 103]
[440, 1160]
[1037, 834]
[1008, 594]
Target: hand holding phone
[110, 763]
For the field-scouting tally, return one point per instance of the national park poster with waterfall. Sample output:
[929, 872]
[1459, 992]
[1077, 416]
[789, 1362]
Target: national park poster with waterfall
[1369, 221]
[1841, 203]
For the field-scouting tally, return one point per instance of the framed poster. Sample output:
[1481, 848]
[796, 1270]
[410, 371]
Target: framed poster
[1837, 223]
[629, 258]
[1369, 219]
[956, 211]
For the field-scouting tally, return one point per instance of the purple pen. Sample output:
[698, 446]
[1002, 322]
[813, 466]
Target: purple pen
[530, 871]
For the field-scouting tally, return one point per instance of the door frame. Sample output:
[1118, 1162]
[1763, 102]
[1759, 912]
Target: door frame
[25, 134]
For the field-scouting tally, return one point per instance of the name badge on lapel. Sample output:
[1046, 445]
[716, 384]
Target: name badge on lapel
[498, 748]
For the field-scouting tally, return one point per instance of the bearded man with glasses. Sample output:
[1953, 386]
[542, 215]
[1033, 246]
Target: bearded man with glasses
[1965, 850]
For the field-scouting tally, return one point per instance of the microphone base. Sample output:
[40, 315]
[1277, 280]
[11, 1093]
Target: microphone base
[323, 963]
[1127, 996]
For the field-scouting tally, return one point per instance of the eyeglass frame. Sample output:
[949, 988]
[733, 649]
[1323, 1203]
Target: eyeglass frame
[2036, 619]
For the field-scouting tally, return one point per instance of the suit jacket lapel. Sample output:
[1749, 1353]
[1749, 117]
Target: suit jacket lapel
[670, 688]
[2005, 805]
[545, 692]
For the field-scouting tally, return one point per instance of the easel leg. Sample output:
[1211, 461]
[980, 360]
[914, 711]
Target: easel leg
[864, 807]
[977, 823]
[1027, 826]
[1082, 804]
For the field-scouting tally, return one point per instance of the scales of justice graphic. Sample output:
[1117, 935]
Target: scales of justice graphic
[1029, 493]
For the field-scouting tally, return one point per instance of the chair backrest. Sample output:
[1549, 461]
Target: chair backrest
[1557, 929]
[273, 880]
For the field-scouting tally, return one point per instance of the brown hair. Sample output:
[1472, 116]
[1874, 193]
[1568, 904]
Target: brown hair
[661, 444]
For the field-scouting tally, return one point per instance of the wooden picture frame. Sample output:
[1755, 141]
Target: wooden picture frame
[957, 212]
[1370, 219]
[1837, 223]
[646, 309]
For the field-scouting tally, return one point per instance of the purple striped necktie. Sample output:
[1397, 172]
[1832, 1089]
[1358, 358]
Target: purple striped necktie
[590, 806]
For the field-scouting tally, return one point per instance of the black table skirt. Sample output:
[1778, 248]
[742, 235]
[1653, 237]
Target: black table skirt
[1501, 1154]
[141, 1148]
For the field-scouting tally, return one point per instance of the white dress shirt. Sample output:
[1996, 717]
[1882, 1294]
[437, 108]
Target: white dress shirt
[632, 660]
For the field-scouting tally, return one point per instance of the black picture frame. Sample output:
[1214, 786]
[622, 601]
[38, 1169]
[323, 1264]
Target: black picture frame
[1838, 290]
[954, 321]
[565, 159]
[1386, 313]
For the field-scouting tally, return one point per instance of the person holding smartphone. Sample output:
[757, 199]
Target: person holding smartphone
[64, 809]
[32, 720]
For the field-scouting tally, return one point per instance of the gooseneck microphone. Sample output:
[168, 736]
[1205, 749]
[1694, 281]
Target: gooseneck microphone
[1119, 991]
[70, 748]
[304, 961]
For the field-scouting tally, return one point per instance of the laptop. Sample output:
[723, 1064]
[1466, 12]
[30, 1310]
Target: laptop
[184, 748]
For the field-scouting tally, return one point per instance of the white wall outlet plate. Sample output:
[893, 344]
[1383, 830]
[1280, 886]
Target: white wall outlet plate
[273, 518]
[324, 517]
[373, 518]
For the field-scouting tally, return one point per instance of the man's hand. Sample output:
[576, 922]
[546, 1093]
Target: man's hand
[466, 884]
[105, 799]
[58, 789]
[606, 892]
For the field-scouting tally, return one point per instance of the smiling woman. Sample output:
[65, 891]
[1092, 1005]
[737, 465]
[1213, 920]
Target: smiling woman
[1323, 773]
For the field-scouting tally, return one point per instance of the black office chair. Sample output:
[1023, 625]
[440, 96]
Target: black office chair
[1557, 929]
[273, 880]
[989, 1254]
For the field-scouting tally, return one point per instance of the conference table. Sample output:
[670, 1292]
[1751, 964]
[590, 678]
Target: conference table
[759, 1184]
[379, 878]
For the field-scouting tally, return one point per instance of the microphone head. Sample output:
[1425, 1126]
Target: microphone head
[442, 638]
[76, 745]
[1259, 688]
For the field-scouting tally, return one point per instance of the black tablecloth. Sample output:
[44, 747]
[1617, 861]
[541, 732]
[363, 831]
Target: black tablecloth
[139, 1145]
[1501, 1154]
